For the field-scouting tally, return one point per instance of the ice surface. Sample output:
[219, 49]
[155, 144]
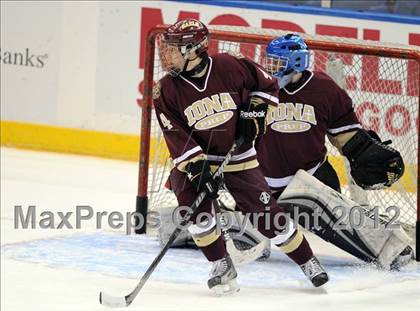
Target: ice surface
[51, 269]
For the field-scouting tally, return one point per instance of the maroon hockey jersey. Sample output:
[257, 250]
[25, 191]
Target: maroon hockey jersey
[296, 128]
[198, 116]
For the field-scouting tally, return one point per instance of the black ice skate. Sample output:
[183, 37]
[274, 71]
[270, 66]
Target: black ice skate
[404, 258]
[315, 272]
[223, 277]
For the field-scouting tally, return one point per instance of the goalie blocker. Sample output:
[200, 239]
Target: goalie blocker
[374, 240]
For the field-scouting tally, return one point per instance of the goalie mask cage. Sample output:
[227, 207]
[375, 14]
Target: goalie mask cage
[381, 78]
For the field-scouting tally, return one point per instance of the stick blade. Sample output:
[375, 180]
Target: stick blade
[112, 301]
[242, 257]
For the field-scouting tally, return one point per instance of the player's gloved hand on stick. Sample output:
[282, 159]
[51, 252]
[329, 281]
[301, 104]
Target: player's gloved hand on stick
[199, 174]
[374, 164]
[251, 122]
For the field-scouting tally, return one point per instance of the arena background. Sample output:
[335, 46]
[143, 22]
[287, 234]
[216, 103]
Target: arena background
[72, 73]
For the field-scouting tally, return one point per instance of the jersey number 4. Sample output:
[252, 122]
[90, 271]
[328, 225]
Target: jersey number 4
[165, 121]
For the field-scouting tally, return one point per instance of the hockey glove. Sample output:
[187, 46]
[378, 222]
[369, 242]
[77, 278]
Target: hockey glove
[199, 174]
[251, 122]
[374, 164]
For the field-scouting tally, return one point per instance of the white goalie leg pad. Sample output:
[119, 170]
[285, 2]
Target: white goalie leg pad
[167, 226]
[370, 240]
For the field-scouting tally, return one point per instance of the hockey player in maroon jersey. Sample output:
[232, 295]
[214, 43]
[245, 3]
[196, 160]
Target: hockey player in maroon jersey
[202, 105]
[310, 107]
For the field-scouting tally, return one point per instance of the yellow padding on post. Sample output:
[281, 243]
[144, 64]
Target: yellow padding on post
[69, 140]
[206, 239]
[293, 244]
[77, 141]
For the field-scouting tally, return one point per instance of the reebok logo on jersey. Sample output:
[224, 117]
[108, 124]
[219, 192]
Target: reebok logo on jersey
[252, 114]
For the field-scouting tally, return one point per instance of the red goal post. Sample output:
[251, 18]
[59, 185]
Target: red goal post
[381, 78]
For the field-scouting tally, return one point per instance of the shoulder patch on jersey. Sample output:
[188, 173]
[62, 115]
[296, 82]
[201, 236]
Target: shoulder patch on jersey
[235, 54]
[156, 90]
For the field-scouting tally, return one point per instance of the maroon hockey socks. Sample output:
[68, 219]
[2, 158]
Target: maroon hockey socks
[215, 250]
[297, 248]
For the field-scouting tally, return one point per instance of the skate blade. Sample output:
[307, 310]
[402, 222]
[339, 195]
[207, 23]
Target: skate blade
[226, 289]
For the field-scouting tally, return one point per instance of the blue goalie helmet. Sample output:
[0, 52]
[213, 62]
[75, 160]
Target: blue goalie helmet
[286, 55]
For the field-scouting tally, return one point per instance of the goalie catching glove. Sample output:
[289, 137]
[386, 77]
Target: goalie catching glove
[199, 174]
[374, 164]
[251, 122]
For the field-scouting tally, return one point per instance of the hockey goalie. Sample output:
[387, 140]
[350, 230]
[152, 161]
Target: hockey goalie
[311, 107]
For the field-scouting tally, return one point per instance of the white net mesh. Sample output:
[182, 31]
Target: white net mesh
[385, 93]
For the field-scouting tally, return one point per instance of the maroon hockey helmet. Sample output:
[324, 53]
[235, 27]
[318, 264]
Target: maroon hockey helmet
[189, 33]
[179, 41]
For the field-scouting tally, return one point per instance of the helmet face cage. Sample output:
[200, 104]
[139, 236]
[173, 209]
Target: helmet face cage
[275, 65]
[172, 60]
[291, 50]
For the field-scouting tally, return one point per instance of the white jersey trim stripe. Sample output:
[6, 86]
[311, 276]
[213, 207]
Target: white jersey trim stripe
[250, 152]
[187, 154]
[288, 231]
[202, 228]
[284, 181]
[301, 87]
[266, 96]
[207, 78]
[344, 128]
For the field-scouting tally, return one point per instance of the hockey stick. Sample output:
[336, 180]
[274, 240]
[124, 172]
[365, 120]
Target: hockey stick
[239, 257]
[115, 302]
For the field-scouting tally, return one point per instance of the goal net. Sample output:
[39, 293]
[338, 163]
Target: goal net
[382, 80]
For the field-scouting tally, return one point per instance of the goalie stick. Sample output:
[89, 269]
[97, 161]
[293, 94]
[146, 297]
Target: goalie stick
[117, 302]
[239, 257]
